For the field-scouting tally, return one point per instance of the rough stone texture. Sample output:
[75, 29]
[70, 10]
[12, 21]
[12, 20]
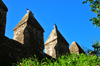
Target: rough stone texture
[56, 44]
[34, 37]
[75, 48]
[3, 10]
[63, 48]
[3, 6]
[12, 51]
[29, 40]
[50, 50]
[27, 33]
[19, 33]
[2, 21]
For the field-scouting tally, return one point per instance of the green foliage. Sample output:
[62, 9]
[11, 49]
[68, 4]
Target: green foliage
[64, 60]
[96, 45]
[95, 7]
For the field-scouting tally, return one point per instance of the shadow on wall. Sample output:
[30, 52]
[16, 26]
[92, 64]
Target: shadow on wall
[12, 51]
[26, 45]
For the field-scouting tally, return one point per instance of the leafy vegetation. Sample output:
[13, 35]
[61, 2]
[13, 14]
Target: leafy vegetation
[95, 7]
[64, 60]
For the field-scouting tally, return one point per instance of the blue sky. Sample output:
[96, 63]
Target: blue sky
[71, 16]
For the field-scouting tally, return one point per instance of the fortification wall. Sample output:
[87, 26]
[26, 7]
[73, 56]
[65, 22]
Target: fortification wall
[13, 51]
[32, 42]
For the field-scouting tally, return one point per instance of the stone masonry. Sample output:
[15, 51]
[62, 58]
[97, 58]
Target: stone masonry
[56, 44]
[29, 40]
[3, 12]
[29, 31]
[12, 51]
[75, 48]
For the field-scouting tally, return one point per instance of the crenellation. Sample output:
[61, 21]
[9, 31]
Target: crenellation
[32, 34]
[29, 40]
[57, 43]
[75, 48]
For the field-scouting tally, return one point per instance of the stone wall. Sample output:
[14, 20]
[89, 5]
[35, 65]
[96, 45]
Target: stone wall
[56, 48]
[56, 44]
[75, 48]
[13, 51]
[19, 33]
[34, 37]
[2, 21]
[63, 48]
[28, 40]
[50, 48]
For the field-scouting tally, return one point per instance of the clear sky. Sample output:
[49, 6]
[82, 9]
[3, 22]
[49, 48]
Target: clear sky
[71, 17]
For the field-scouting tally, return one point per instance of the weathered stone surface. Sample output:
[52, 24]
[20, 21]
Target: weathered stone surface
[19, 33]
[13, 51]
[3, 6]
[2, 20]
[28, 41]
[75, 48]
[63, 48]
[3, 12]
[30, 19]
[56, 44]
[29, 31]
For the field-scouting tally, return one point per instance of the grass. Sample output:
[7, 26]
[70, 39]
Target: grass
[64, 60]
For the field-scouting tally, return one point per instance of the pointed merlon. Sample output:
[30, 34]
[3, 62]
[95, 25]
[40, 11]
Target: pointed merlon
[29, 18]
[76, 48]
[56, 44]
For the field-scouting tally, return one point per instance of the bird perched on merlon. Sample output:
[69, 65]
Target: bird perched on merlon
[55, 26]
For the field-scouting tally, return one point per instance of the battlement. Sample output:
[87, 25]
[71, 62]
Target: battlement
[29, 40]
[25, 43]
